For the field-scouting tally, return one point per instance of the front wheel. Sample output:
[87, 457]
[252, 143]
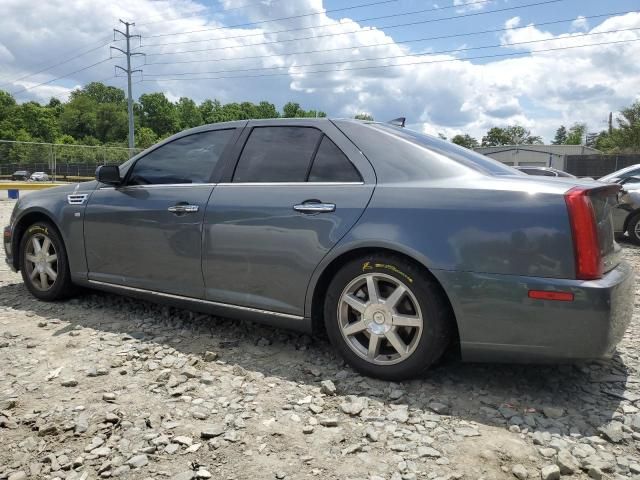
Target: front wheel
[387, 317]
[633, 229]
[43, 262]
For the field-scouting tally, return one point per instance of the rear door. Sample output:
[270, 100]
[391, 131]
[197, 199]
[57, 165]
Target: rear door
[147, 233]
[295, 190]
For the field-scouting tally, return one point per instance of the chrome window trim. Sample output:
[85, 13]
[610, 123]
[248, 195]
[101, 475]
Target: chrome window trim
[158, 185]
[280, 184]
[196, 300]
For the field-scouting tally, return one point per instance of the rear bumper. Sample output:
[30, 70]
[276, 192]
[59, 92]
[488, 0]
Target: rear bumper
[498, 322]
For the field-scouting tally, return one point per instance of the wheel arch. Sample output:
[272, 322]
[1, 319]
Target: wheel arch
[629, 217]
[331, 267]
[26, 219]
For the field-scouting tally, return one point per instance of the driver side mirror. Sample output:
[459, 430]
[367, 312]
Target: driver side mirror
[109, 174]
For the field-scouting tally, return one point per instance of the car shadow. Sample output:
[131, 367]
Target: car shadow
[562, 399]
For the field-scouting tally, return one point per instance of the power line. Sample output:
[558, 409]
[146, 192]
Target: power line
[397, 42]
[511, 54]
[26, 89]
[206, 12]
[397, 56]
[433, 20]
[84, 52]
[260, 22]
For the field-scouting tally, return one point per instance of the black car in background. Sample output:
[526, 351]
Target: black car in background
[20, 175]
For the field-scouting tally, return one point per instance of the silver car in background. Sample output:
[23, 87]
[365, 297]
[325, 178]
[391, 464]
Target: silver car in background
[626, 218]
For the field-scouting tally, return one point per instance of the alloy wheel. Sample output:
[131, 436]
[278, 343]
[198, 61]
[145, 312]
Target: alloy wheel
[41, 262]
[380, 318]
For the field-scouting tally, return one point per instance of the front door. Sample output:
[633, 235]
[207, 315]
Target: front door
[147, 233]
[296, 190]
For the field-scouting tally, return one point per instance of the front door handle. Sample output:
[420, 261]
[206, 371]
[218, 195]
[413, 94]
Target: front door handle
[315, 207]
[180, 209]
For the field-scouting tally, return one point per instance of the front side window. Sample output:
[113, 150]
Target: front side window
[189, 159]
[331, 165]
[277, 154]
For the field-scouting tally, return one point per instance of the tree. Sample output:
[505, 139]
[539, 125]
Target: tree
[79, 117]
[293, 110]
[211, 111]
[145, 137]
[561, 136]
[111, 123]
[188, 113]
[266, 110]
[158, 114]
[511, 135]
[364, 116]
[100, 93]
[629, 128]
[466, 141]
[576, 134]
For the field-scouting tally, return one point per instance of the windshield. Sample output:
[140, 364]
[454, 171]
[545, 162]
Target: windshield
[621, 173]
[455, 152]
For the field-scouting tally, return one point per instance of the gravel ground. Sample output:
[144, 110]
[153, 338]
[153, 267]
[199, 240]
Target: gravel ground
[103, 386]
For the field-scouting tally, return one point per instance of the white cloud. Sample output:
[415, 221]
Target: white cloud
[470, 5]
[435, 92]
[580, 23]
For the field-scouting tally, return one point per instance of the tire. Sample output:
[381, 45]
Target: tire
[34, 265]
[366, 332]
[633, 229]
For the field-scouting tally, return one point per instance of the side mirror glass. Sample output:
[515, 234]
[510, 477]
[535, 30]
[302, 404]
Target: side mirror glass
[109, 174]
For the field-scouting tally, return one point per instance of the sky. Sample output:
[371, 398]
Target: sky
[448, 66]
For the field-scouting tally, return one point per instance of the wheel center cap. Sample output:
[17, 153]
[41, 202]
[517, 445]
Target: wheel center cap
[378, 317]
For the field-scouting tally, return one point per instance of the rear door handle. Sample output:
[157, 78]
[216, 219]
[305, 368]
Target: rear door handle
[315, 207]
[179, 209]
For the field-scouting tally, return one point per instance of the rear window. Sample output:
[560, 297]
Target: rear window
[459, 154]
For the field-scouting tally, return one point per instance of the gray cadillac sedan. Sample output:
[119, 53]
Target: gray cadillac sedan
[396, 243]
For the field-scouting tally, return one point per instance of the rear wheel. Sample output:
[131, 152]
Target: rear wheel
[387, 317]
[43, 262]
[633, 229]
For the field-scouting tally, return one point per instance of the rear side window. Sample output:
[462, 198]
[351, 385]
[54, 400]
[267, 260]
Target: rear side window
[539, 173]
[277, 154]
[331, 165]
[189, 159]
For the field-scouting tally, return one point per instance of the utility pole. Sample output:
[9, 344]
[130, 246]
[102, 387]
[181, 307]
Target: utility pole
[128, 71]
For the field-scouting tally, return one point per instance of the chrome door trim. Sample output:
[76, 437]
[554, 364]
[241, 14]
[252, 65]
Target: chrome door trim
[285, 184]
[196, 300]
[158, 185]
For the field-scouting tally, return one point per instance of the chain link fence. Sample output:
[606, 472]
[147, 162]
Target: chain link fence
[59, 161]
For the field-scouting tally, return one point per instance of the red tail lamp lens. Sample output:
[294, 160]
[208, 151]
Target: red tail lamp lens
[589, 265]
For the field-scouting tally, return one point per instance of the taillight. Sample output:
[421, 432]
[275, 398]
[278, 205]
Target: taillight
[584, 229]
[589, 264]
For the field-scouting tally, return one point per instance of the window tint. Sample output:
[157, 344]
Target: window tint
[277, 154]
[538, 173]
[188, 159]
[331, 165]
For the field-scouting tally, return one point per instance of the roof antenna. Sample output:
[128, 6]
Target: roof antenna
[398, 122]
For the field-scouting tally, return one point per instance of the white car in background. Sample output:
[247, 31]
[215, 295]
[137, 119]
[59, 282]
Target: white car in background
[39, 177]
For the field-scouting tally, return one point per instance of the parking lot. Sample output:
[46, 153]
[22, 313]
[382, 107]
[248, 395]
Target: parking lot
[103, 386]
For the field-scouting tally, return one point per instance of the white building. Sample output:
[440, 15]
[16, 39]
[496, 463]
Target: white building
[536, 155]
